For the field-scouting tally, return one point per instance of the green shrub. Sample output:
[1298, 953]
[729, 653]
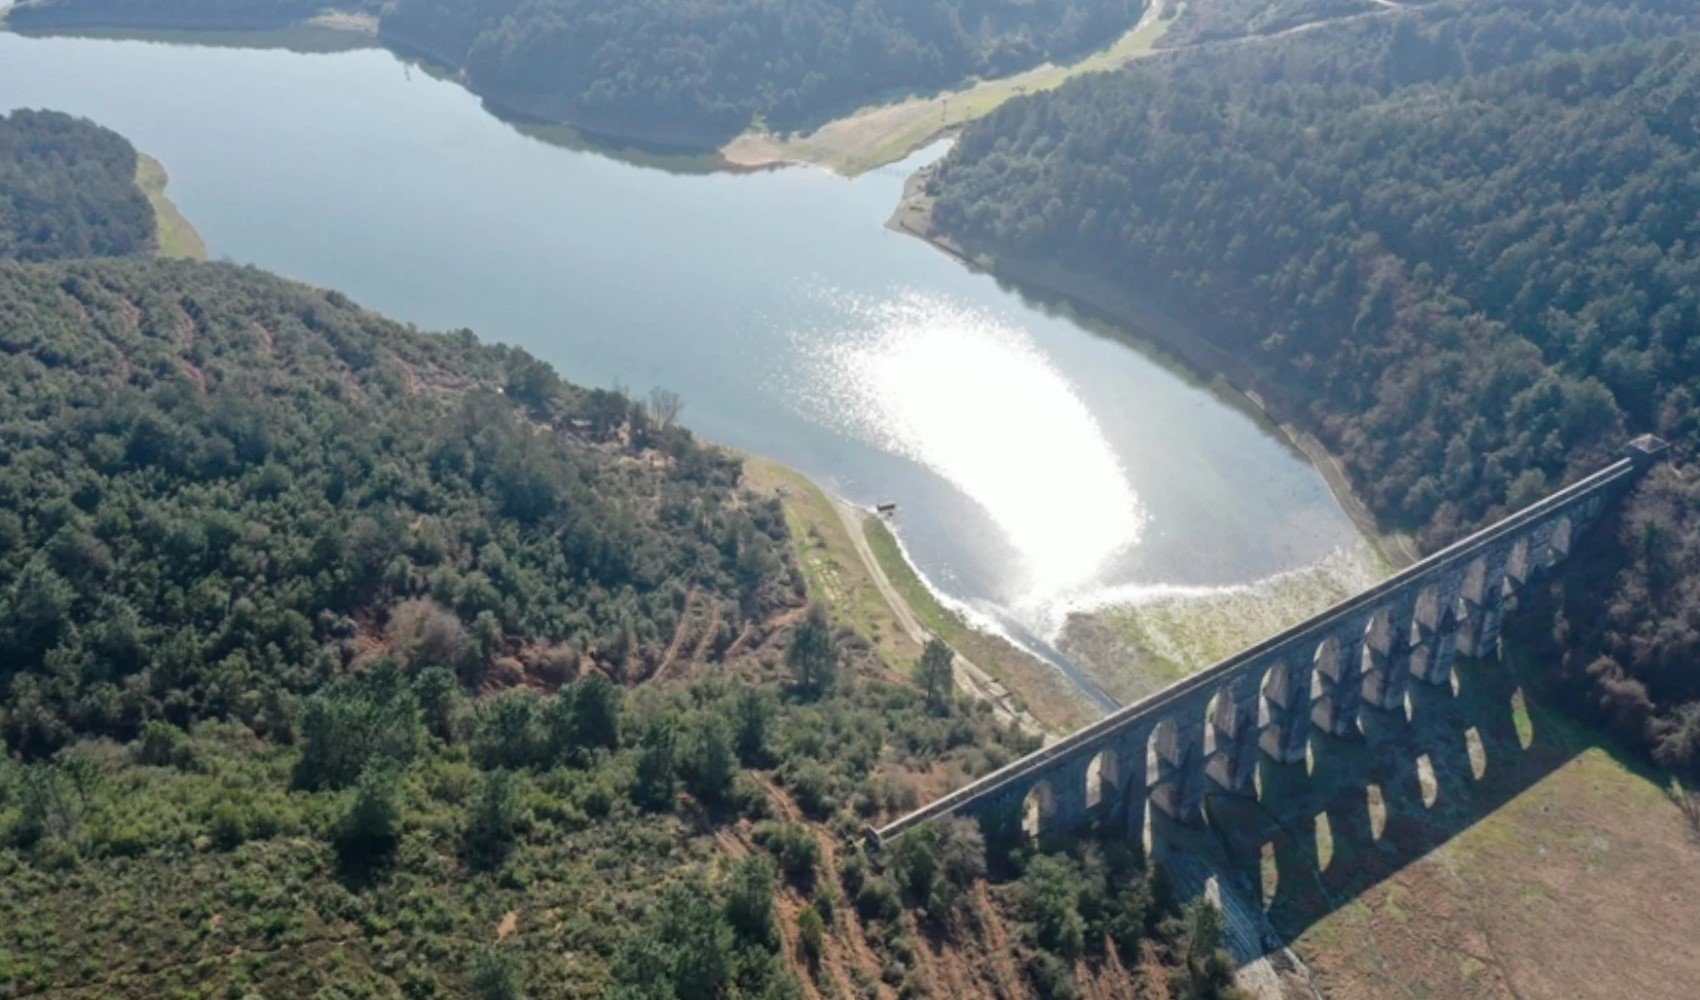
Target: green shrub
[852, 872]
[709, 764]
[825, 902]
[752, 713]
[496, 814]
[597, 796]
[1051, 902]
[812, 786]
[811, 656]
[507, 733]
[878, 900]
[811, 933]
[495, 975]
[229, 826]
[796, 850]
[356, 723]
[749, 901]
[749, 798]
[164, 745]
[1052, 976]
[656, 781]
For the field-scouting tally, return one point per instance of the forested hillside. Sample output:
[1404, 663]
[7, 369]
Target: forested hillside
[273, 542]
[688, 72]
[221, 490]
[68, 189]
[335, 667]
[1460, 242]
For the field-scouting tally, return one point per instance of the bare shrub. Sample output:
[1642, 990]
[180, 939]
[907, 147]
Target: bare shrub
[423, 634]
[556, 665]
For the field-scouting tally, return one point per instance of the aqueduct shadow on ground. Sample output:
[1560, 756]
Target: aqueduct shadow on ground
[1320, 832]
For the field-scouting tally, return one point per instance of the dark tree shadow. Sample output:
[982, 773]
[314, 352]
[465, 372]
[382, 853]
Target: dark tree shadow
[359, 869]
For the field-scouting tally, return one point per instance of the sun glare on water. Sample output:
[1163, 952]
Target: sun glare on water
[974, 400]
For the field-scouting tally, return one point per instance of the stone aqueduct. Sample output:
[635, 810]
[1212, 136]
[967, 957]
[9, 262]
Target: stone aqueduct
[1207, 732]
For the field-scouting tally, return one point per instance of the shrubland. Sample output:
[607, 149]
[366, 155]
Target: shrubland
[223, 490]
[366, 616]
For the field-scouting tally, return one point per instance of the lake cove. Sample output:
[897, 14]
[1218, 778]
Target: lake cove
[1040, 464]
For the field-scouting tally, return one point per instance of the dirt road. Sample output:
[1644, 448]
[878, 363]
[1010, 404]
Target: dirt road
[970, 679]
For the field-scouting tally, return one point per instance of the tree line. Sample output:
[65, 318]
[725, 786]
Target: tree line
[1460, 243]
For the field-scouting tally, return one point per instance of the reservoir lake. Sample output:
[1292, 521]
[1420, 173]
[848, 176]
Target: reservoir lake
[1041, 463]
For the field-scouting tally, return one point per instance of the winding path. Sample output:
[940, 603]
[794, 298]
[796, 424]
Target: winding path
[970, 678]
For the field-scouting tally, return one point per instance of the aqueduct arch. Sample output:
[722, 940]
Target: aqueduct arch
[1205, 734]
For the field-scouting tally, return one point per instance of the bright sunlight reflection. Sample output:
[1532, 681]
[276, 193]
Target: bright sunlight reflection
[974, 400]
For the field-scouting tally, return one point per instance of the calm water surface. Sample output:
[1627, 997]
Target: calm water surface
[1039, 464]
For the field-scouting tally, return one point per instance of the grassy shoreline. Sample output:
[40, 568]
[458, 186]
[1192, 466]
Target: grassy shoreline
[1045, 692]
[177, 237]
[833, 573]
[1135, 650]
[881, 134]
[837, 575]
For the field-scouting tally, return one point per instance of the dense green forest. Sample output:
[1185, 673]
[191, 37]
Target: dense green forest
[1460, 242]
[689, 72]
[68, 189]
[193, 528]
